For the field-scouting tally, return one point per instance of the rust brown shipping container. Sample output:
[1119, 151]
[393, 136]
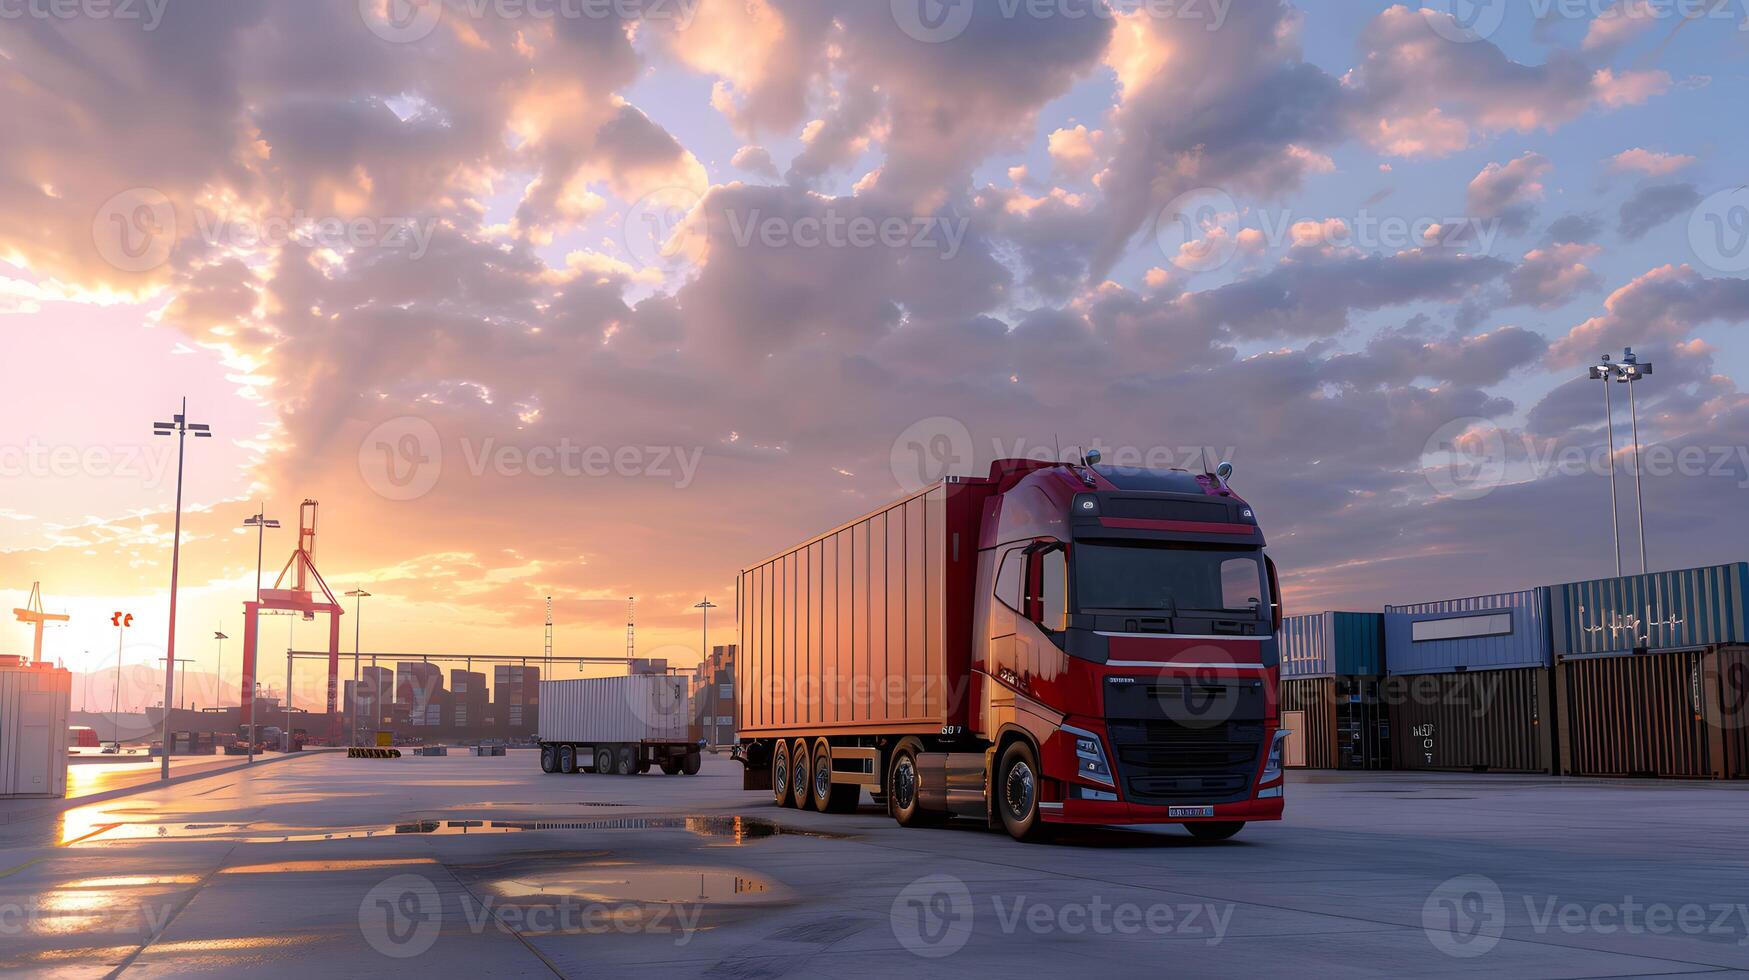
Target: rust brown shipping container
[1675, 715]
[1308, 711]
[1473, 721]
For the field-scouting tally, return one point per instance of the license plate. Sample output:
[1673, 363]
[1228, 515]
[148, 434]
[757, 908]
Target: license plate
[1190, 811]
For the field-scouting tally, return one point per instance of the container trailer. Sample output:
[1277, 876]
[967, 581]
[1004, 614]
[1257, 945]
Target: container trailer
[1048, 645]
[620, 725]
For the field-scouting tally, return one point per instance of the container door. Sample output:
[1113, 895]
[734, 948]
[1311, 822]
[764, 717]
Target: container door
[1293, 751]
[35, 752]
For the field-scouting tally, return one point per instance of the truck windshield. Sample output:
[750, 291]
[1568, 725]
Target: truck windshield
[1169, 579]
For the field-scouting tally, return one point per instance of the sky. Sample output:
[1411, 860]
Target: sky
[593, 299]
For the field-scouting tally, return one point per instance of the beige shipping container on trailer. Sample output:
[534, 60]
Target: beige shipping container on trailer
[34, 700]
[636, 708]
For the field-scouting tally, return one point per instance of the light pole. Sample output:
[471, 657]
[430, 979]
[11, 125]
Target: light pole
[358, 597]
[1630, 370]
[181, 694]
[261, 523]
[1604, 370]
[704, 650]
[219, 670]
[180, 427]
[122, 621]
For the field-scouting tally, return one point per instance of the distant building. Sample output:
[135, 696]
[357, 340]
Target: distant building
[713, 696]
[419, 688]
[468, 700]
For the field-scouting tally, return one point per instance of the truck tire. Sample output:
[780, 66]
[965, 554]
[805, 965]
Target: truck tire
[628, 761]
[691, 764]
[902, 789]
[1017, 793]
[549, 759]
[1215, 831]
[567, 759]
[801, 774]
[670, 767]
[780, 773]
[831, 797]
[603, 761]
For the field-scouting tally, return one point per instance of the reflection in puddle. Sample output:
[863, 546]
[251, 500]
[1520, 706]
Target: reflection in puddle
[730, 830]
[652, 885]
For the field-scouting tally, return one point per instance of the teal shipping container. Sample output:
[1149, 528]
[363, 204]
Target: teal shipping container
[1687, 609]
[1333, 644]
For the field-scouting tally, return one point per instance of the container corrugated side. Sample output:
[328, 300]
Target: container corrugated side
[34, 702]
[1331, 644]
[1683, 609]
[1526, 645]
[640, 707]
[1479, 721]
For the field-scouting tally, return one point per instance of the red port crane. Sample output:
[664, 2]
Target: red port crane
[299, 597]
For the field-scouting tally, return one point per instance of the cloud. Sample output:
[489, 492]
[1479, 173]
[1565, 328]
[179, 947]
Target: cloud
[1653, 205]
[1551, 276]
[1664, 305]
[1075, 151]
[755, 160]
[1641, 160]
[1509, 191]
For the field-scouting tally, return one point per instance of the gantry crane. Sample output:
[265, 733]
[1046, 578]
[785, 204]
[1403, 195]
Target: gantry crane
[308, 595]
[33, 613]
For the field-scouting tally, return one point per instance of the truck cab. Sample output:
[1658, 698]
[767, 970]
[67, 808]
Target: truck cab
[1124, 662]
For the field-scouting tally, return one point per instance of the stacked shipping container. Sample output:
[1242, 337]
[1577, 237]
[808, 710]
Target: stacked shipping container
[1331, 668]
[1469, 684]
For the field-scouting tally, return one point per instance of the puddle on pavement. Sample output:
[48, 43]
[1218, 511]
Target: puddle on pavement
[730, 831]
[617, 883]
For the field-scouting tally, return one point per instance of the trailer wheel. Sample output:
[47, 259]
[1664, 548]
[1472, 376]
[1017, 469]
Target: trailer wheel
[567, 759]
[603, 761]
[691, 764]
[1215, 831]
[780, 773]
[549, 759]
[1017, 793]
[827, 796]
[670, 767]
[801, 774]
[903, 786]
[628, 762]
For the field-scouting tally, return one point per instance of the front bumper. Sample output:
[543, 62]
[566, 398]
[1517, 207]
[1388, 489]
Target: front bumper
[1119, 813]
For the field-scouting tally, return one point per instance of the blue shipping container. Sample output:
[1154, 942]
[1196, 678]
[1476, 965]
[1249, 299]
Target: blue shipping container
[1684, 609]
[1489, 632]
[1333, 644]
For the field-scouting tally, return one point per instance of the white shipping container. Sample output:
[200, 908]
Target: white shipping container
[638, 708]
[33, 731]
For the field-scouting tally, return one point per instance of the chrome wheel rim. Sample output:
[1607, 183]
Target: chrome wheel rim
[781, 768]
[822, 781]
[904, 784]
[1017, 790]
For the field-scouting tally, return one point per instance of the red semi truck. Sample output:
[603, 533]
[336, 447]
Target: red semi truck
[1051, 644]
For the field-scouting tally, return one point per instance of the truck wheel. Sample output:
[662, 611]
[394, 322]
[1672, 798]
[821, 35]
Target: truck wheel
[1018, 783]
[903, 786]
[603, 761]
[670, 767]
[829, 797]
[1215, 831]
[567, 759]
[628, 762]
[690, 765]
[780, 774]
[549, 761]
[801, 774]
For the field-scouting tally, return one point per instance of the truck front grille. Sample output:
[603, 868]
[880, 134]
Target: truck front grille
[1170, 762]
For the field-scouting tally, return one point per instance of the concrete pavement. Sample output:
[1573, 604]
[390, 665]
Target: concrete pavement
[464, 866]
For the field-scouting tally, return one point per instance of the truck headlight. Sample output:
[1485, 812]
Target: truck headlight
[1090, 756]
[1272, 765]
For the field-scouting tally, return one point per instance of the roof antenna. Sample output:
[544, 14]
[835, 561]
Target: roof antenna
[1206, 468]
